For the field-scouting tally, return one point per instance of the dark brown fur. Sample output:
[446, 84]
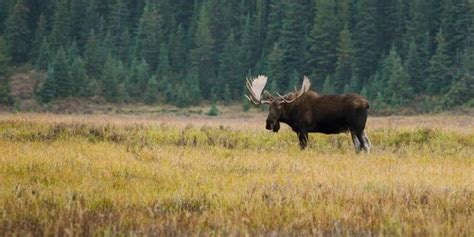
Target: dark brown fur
[328, 114]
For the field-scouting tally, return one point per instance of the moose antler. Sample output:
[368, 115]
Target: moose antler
[255, 87]
[304, 88]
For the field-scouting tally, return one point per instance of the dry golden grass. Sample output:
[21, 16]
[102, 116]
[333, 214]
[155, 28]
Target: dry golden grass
[159, 175]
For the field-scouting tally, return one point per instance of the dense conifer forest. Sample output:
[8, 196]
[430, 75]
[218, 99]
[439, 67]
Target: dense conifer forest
[397, 53]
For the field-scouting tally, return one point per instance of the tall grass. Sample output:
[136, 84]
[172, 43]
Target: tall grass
[132, 176]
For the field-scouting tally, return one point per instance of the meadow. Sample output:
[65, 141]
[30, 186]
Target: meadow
[96, 175]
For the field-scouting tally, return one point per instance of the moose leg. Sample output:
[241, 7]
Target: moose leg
[303, 137]
[367, 144]
[356, 142]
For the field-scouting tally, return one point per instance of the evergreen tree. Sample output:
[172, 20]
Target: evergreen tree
[275, 67]
[178, 50]
[414, 66]
[275, 23]
[149, 37]
[80, 81]
[48, 91]
[151, 93]
[230, 72]
[440, 75]
[398, 89]
[44, 56]
[62, 76]
[60, 33]
[77, 11]
[18, 33]
[118, 26]
[329, 87]
[291, 42]
[365, 42]
[248, 52]
[40, 35]
[164, 68]
[322, 55]
[137, 79]
[344, 61]
[92, 57]
[5, 97]
[110, 80]
[202, 54]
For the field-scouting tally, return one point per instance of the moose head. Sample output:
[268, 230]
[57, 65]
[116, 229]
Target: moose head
[277, 105]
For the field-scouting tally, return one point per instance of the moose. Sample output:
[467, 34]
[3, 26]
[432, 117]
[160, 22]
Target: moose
[307, 111]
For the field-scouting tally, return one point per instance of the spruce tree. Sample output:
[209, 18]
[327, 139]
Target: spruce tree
[366, 51]
[5, 97]
[80, 81]
[230, 72]
[275, 67]
[110, 81]
[329, 87]
[40, 35]
[48, 91]
[18, 33]
[149, 37]
[92, 57]
[398, 90]
[62, 76]
[344, 61]
[414, 66]
[322, 55]
[44, 56]
[202, 54]
[291, 42]
[440, 75]
[60, 33]
[151, 93]
[164, 68]
[275, 24]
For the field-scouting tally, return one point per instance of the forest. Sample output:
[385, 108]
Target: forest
[397, 53]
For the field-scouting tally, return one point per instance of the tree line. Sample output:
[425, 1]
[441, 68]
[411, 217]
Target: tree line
[394, 52]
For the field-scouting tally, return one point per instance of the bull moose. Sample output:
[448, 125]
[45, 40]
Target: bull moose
[307, 111]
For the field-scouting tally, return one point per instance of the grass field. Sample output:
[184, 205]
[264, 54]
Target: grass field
[80, 175]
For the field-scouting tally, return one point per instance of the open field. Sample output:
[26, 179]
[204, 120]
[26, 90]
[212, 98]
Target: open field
[84, 175]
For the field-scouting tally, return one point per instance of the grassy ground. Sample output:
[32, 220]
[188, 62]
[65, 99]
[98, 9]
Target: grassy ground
[144, 175]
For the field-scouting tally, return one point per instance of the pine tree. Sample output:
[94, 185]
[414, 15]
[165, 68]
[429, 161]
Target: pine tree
[60, 34]
[44, 56]
[92, 58]
[230, 72]
[18, 33]
[275, 67]
[248, 52]
[365, 42]
[398, 90]
[77, 11]
[178, 50]
[62, 77]
[149, 37]
[137, 79]
[110, 81]
[164, 68]
[40, 35]
[414, 66]
[322, 55]
[440, 75]
[118, 26]
[275, 24]
[48, 91]
[151, 93]
[202, 54]
[329, 87]
[5, 97]
[344, 61]
[291, 42]
[80, 81]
